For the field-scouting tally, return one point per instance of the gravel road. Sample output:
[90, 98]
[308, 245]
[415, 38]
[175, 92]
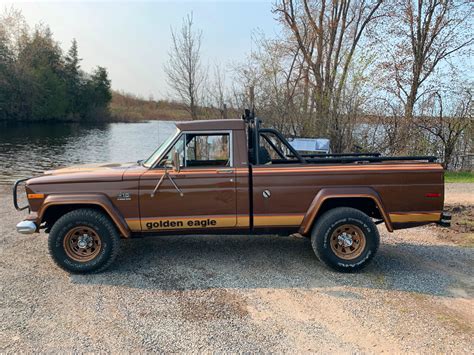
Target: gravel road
[214, 293]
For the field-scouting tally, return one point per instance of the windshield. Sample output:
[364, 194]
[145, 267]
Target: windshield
[147, 163]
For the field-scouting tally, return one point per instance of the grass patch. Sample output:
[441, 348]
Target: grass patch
[125, 107]
[129, 108]
[459, 176]
[467, 240]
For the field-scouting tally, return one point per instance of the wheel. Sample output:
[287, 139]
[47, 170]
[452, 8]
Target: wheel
[345, 239]
[83, 241]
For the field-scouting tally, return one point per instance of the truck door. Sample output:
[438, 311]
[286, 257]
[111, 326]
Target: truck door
[201, 196]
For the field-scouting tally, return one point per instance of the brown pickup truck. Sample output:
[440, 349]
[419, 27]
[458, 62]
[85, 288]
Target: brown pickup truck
[232, 177]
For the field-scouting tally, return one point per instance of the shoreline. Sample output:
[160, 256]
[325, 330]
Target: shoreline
[89, 122]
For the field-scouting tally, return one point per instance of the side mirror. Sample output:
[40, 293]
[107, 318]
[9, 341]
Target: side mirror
[176, 162]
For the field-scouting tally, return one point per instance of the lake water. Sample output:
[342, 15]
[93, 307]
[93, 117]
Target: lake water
[29, 149]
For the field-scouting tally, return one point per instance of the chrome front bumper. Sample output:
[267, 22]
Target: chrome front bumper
[26, 227]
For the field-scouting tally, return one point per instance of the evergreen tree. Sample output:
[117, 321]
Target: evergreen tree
[42, 58]
[96, 94]
[39, 82]
[73, 79]
[101, 85]
[72, 60]
[50, 97]
[5, 79]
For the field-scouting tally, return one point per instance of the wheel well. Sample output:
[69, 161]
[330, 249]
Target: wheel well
[53, 213]
[364, 204]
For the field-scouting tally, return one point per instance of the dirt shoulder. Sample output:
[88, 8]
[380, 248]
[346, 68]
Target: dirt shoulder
[459, 201]
[459, 194]
[239, 293]
[462, 225]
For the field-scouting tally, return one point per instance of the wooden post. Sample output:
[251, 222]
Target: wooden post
[252, 97]
[224, 111]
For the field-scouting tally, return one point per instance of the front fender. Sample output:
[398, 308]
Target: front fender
[334, 192]
[87, 199]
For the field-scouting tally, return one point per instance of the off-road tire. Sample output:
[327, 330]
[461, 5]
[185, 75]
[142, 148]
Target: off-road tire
[94, 220]
[328, 224]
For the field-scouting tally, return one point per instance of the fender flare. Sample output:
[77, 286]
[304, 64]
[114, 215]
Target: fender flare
[87, 199]
[334, 192]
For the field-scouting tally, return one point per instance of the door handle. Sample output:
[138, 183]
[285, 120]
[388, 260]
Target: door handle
[225, 171]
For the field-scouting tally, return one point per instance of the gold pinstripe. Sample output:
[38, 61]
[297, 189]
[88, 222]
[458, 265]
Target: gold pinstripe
[136, 225]
[415, 217]
[277, 220]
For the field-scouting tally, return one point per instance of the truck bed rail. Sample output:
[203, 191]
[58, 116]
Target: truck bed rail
[430, 159]
[336, 155]
[360, 159]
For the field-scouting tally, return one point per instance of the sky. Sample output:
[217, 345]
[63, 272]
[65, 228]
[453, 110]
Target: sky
[132, 39]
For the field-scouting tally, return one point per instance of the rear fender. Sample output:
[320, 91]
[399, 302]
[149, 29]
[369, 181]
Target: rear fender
[99, 200]
[332, 193]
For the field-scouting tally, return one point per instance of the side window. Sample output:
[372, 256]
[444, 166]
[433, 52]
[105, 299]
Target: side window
[272, 150]
[207, 150]
[267, 151]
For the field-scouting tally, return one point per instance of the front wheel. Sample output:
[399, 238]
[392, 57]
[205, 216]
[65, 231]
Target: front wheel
[345, 239]
[83, 241]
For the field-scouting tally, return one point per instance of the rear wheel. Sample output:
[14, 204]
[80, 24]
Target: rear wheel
[83, 241]
[345, 239]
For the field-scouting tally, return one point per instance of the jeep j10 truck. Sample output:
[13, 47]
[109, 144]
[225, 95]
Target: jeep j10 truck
[232, 177]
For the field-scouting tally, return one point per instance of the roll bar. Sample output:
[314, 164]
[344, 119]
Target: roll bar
[254, 132]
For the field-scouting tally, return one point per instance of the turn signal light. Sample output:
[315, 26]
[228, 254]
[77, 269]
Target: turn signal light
[35, 196]
[433, 195]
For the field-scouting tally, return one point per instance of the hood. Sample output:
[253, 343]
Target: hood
[83, 173]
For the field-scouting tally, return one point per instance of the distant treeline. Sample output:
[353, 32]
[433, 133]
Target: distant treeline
[38, 82]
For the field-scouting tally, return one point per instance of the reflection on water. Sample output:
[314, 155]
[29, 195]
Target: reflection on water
[29, 149]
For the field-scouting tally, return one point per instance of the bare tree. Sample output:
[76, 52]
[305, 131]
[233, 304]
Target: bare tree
[13, 29]
[274, 70]
[448, 116]
[328, 33]
[184, 69]
[421, 35]
[217, 90]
